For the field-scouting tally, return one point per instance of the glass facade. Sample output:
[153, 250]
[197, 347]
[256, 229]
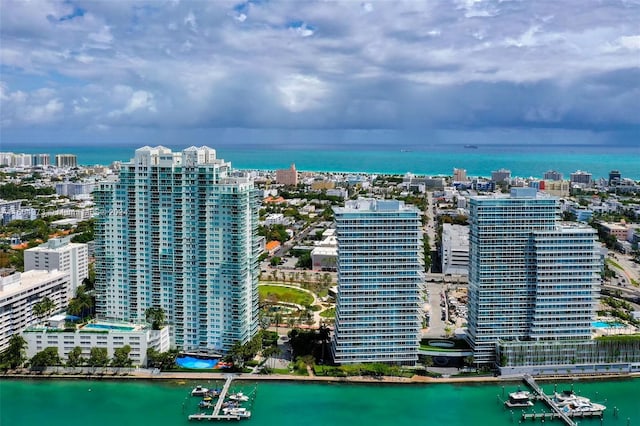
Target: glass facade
[380, 283]
[530, 277]
[179, 231]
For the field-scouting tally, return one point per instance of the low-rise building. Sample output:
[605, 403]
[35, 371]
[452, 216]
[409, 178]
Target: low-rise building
[99, 334]
[455, 249]
[13, 210]
[19, 292]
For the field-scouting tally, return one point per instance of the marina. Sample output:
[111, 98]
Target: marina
[564, 406]
[230, 407]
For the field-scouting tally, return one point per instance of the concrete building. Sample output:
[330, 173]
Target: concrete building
[40, 160]
[13, 210]
[581, 178]
[581, 214]
[530, 278]
[62, 255]
[455, 249]
[556, 188]
[98, 334]
[380, 283]
[287, 176]
[552, 175]
[618, 230]
[324, 256]
[275, 219]
[459, 175]
[502, 175]
[179, 231]
[75, 190]
[614, 177]
[19, 292]
[66, 161]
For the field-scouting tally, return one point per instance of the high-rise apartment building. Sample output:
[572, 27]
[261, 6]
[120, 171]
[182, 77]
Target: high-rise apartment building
[530, 278]
[40, 159]
[66, 161]
[60, 254]
[581, 178]
[459, 175]
[552, 175]
[287, 176]
[502, 175]
[179, 231]
[380, 283]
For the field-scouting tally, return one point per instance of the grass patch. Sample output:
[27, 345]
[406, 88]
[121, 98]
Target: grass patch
[439, 349]
[328, 313]
[614, 263]
[285, 294]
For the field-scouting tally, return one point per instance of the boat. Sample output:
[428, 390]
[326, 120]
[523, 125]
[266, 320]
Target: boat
[567, 397]
[199, 391]
[205, 404]
[471, 146]
[583, 407]
[519, 399]
[238, 397]
[243, 413]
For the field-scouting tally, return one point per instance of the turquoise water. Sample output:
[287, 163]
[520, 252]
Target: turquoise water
[108, 327]
[522, 159]
[104, 403]
[602, 324]
[196, 363]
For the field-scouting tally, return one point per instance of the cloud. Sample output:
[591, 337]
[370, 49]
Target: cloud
[278, 64]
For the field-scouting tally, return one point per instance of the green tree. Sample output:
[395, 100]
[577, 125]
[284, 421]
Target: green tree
[15, 353]
[74, 358]
[121, 357]
[98, 357]
[45, 358]
[43, 307]
[155, 316]
[82, 304]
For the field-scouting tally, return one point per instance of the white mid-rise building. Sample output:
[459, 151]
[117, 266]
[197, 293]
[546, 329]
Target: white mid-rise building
[62, 255]
[455, 249]
[179, 231]
[98, 334]
[380, 283]
[19, 292]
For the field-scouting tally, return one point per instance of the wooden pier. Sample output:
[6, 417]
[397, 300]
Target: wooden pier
[216, 410]
[557, 412]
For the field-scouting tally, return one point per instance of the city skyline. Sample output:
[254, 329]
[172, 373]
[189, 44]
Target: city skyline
[453, 71]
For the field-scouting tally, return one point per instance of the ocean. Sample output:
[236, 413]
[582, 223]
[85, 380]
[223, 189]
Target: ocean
[524, 160]
[136, 403]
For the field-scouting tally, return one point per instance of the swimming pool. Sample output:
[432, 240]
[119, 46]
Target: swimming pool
[100, 326]
[195, 363]
[602, 324]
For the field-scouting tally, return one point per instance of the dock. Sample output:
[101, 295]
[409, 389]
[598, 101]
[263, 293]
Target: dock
[557, 412]
[216, 411]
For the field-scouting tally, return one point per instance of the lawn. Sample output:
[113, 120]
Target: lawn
[328, 313]
[285, 294]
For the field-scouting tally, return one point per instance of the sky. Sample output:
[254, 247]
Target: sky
[107, 71]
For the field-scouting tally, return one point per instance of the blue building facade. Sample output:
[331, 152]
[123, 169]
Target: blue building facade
[380, 283]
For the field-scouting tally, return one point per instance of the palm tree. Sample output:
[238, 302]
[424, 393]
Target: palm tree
[155, 315]
[277, 318]
[15, 353]
[43, 307]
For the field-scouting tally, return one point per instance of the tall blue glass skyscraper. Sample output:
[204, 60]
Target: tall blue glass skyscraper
[380, 283]
[178, 230]
[530, 276]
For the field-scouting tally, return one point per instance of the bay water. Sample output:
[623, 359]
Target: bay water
[136, 403]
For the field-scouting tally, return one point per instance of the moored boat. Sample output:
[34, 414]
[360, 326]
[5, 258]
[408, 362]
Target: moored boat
[237, 411]
[238, 397]
[199, 391]
[519, 399]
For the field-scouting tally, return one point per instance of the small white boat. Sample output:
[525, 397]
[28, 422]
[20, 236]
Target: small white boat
[199, 391]
[238, 397]
[238, 411]
[519, 399]
[568, 397]
[583, 407]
